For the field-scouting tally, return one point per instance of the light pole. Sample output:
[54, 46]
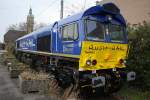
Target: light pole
[62, 8]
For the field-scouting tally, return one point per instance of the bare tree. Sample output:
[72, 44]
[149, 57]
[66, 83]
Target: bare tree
[23, 26]
[38, 26]
[12, 27]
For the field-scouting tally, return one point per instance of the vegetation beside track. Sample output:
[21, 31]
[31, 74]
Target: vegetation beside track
[130, 93]
[139, 55]
[138, 61]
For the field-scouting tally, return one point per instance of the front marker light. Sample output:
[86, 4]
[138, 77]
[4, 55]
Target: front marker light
[121, 61]
[94, 62]
[125, 61]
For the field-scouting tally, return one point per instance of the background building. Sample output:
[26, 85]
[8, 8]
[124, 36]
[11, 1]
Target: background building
[30, 22]
[10, 38]
[2, 46]
[134, 11]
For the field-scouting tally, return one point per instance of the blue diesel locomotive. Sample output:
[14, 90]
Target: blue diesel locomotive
[88, 49]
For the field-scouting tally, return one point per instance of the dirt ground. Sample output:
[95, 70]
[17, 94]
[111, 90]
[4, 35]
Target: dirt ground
[9, 88]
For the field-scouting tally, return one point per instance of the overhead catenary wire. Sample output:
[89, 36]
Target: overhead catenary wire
[73, 8]
[50, 5]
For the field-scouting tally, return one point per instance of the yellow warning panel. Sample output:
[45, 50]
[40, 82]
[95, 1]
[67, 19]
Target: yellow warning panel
[100, 55]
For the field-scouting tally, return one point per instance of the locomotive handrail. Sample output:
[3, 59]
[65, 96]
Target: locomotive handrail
[56, 23]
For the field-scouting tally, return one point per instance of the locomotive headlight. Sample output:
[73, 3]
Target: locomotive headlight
[88, 62]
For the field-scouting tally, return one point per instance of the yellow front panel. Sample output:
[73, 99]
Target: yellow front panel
[106, 54]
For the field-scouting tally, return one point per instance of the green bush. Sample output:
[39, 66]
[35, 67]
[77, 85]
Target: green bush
[139, 54]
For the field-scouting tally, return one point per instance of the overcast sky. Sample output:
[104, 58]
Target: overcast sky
[45, 11]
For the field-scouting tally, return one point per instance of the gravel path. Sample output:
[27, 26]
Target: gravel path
[9, 88]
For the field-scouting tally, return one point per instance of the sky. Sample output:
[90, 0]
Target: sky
[44, 11]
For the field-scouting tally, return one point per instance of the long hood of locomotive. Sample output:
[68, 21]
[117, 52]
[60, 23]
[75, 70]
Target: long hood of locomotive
[107, 55]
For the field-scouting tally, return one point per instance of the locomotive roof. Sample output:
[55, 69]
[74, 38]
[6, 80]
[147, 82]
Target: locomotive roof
[46, 28]
[108, 8]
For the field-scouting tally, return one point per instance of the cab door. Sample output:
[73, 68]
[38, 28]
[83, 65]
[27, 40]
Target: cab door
[70, 38]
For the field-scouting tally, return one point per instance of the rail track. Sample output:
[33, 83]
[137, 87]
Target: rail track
[72, 94]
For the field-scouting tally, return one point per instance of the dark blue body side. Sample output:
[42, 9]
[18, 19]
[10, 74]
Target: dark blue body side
[29, 42]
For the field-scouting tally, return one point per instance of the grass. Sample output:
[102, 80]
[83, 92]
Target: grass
[133, 94]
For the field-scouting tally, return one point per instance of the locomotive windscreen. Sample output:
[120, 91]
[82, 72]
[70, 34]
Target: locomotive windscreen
[116, 33]
[44, 43]
[95, 30]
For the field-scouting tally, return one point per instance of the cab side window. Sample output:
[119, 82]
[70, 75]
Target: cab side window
[70, 32]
